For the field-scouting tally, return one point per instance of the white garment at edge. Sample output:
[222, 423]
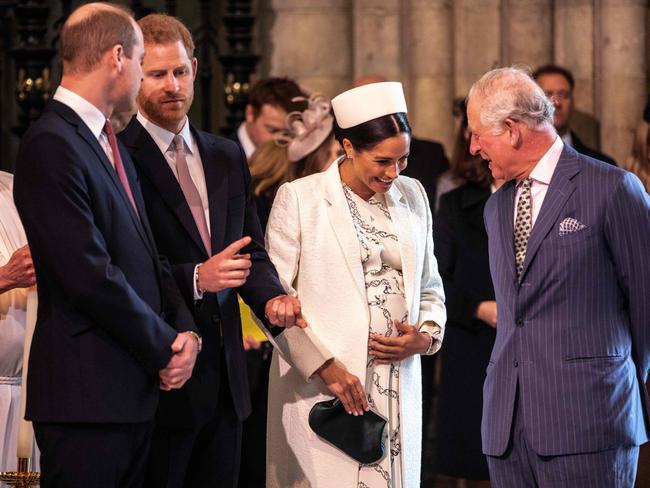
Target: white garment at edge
[311, 240]
[13, 306]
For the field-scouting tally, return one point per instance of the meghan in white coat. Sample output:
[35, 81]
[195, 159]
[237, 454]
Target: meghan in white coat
[312, 242]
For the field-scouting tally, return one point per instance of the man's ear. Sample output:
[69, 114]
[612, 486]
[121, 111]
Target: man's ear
[250, 114]
[195, 65]
[117, 56]
[514, 133]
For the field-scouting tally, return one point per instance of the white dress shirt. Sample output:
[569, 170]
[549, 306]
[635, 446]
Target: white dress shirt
[245, 141]
[163, 139]
[89, 114]
[541, 176]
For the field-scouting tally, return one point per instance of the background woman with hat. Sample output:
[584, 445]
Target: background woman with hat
[354, 243]
[307, 148]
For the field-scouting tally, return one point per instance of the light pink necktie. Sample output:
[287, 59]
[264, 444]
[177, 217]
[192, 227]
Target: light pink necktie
[118, 164]
[191, 193]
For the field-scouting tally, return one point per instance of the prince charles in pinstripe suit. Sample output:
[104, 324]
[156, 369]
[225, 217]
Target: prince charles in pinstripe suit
[569, 244]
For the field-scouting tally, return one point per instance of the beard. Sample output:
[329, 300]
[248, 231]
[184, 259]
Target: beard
[164, 113]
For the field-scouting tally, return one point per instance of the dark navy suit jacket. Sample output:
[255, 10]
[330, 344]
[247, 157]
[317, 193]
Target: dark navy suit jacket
[575, 334]
[100, 338]
[232, 216]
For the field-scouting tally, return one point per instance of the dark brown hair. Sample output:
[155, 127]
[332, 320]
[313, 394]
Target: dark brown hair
[367, 135]
[554, 69]
[164, 29]
[278, 92]
[84, 42]
[464, 167]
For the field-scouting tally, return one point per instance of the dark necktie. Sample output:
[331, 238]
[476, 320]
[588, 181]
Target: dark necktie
[523, 224]
[117, 163]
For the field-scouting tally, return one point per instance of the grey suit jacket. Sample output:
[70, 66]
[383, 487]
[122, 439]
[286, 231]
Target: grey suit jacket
[574, 335]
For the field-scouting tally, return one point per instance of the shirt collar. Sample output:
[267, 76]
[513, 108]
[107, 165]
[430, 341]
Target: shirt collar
[543, 171]
[568, 138]
[87, 112]
[163, 138]
[245, 141]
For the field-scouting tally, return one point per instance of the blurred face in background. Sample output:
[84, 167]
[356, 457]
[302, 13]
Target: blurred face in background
[558, 90]
[264, 126]
[167, 90]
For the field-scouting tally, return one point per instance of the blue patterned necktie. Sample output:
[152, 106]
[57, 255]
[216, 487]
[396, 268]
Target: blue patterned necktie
[523, 224]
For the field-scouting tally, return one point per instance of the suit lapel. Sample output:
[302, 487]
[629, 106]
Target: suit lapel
[506, 208]
[340, 219]
[153, 164]
[559, 191]
[84, 132]
[139, 200]
[403, 225]
[216, 181]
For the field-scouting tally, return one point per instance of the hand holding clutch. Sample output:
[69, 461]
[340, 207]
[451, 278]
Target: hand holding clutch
[345, 386]
[360, 437]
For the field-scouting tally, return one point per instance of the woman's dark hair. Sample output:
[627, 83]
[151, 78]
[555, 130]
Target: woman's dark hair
[463, 166]
[367, 135]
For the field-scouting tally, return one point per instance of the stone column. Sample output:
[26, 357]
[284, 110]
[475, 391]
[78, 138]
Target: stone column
[527, 37]
[377, 39]
[477, 33]
[430, 59]
[311, 42]
[574, 47]
[621, 47]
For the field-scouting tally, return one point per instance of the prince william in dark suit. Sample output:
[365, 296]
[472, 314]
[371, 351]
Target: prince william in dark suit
[101, 348]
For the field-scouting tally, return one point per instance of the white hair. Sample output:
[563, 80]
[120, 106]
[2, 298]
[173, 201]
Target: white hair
[511, 93]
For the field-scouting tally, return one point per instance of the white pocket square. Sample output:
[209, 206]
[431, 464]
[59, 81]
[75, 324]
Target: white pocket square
[570, 225]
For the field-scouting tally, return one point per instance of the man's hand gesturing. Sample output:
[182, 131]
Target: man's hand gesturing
[228, 269]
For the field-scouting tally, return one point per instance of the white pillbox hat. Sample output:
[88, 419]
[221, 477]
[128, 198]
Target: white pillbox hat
[367, 102]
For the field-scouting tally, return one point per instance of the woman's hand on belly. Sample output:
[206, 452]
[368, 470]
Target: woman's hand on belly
[410, 341]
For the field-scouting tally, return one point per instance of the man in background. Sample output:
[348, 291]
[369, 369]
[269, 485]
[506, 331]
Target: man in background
[558, 84]
[270, 100]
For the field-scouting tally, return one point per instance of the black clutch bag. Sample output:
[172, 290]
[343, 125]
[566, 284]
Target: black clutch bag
[360, 437]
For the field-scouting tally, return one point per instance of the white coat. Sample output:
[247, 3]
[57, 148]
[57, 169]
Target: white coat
[312, 242]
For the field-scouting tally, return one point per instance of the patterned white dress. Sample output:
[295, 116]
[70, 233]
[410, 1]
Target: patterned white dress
[382, 266]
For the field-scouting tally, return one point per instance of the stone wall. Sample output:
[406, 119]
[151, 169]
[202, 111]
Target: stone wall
[438, 48]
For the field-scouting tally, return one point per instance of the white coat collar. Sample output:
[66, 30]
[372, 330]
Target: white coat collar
[343, 228]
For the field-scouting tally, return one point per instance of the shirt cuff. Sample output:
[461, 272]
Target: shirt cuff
[198, 294]
[435, 331]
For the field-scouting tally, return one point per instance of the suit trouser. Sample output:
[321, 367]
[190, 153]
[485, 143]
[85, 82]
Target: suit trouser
[206, 456]
[90, 455]
[521, 467]
[252, 471]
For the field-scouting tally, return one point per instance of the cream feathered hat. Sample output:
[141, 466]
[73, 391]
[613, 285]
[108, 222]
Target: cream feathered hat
[308, 129]
[367, 102]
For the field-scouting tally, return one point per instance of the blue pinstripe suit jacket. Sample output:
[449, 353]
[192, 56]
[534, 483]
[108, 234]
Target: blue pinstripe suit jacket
[575, 334]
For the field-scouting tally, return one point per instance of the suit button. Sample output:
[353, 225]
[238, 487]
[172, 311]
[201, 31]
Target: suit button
[515, 363]
[216, 319]
[162, 315]
[520, 323]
